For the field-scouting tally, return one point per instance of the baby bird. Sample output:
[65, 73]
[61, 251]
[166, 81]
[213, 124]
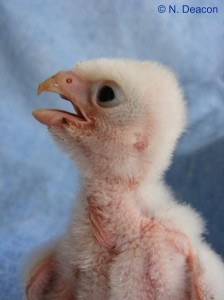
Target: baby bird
[129, 239]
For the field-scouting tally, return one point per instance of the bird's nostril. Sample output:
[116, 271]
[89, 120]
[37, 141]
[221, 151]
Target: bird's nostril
[69, 80]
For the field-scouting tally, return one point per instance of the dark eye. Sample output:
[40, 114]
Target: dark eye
[105, 94]
[108, 94]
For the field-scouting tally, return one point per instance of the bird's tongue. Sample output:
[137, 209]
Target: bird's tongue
[70, 87]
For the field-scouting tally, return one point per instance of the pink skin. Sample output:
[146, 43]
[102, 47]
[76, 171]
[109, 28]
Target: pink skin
[109, 221]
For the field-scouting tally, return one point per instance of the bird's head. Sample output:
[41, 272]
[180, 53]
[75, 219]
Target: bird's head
[128, 117]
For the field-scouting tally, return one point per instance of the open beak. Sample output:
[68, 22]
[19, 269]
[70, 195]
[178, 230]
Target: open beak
[70, 87]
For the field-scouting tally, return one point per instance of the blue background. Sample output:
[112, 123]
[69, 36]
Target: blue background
[38, 38]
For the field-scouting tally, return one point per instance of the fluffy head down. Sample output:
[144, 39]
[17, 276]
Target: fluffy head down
[132, 136]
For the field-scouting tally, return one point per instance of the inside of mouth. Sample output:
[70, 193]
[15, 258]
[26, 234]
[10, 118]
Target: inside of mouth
[76, 111]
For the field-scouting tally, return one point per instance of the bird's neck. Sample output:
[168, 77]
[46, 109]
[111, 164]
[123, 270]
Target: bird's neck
[113, 209]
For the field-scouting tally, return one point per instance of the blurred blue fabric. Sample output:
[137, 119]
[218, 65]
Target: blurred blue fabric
[38, 38]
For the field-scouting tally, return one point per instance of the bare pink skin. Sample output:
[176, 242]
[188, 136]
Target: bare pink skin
[121, 244]
[154, 240]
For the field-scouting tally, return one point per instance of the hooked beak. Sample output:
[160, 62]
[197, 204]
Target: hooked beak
[70, 87]
[49, 85]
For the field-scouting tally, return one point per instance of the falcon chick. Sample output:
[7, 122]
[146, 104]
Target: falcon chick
[129, 238]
